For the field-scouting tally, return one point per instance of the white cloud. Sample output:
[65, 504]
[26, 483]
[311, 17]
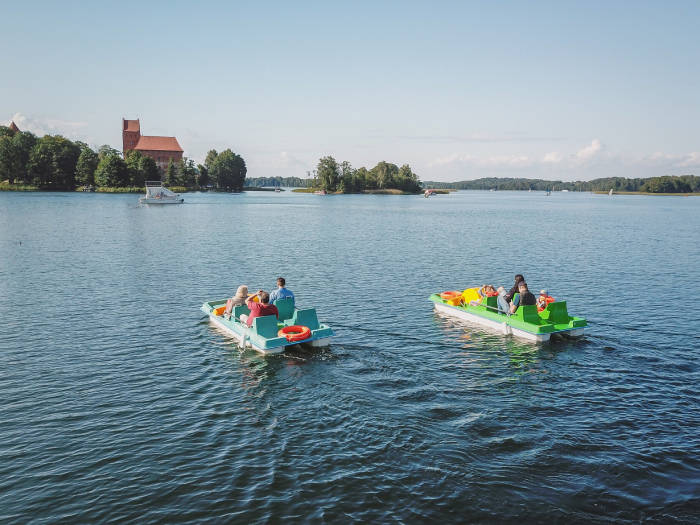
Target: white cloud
[47, 126]
[590, 151]
[691, 159]
[553, 157]
[585, 155]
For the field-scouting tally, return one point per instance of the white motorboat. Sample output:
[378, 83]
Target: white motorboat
[156, 193]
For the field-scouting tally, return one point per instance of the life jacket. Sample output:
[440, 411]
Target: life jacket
[547, 299]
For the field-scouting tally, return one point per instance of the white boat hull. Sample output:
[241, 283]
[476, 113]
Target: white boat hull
[145, 200]
[245, 342]
[503, 327]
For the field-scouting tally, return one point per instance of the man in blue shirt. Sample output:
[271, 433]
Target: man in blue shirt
[281, 292]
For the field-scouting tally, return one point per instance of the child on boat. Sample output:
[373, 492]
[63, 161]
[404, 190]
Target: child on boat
[543, 300]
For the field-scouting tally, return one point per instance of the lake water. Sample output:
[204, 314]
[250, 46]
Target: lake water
[120, 403]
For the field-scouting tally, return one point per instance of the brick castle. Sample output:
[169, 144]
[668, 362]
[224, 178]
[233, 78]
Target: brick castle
[160, 149]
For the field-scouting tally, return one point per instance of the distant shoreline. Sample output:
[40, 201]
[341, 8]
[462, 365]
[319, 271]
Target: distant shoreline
[182, 189]
[691, 194]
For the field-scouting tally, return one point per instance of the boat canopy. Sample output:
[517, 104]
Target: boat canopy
[155, 190]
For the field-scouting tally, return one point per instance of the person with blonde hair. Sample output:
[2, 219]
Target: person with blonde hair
[236, 300]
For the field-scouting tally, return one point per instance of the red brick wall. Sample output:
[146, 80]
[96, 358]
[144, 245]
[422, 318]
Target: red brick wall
[163, 157]
[130, 139]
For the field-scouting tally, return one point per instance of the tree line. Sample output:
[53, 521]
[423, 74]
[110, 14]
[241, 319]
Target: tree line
[289, 182]
[332, 176]
[54, 162]
[663, 184]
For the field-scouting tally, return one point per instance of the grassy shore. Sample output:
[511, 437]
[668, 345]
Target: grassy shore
[6, 186]
[647, 193]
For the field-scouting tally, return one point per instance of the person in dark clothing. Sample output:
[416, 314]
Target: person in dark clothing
[514, 290]
[524, 297]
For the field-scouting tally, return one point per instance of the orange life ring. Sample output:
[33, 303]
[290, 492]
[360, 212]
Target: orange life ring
[450, 295]
[295, 333]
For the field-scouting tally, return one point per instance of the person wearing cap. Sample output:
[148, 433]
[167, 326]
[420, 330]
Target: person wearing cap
[281, 292]
[523, 298]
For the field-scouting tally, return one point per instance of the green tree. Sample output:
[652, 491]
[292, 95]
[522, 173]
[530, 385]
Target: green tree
[406, 180]
[384, 173]
[228, 171]
[188, 172]
[85, 168]
[105, 150]
[7, 155]
[149, 169]
[23, 143]
[5, 131]
[202, 175]
[347, 178]
[52, 163]
[112, 172]
[133, 159]
[364, 180]
[210, 158]
[171, 174]
[328, 173]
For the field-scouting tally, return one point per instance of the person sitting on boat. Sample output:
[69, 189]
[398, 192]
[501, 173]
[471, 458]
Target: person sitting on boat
[236, 300]
[523, 298]
[543, 300]
[514, 289]
[487, 291]
[281, 292]
[259, 309]
[503, 306]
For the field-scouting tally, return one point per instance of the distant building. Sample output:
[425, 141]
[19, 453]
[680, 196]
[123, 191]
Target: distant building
[13, 126]
[160, 149]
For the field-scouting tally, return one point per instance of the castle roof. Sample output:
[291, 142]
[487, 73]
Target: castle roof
[13, 126]
[131, 125]
[158, 144]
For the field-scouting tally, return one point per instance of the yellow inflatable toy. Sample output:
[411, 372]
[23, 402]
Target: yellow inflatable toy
[471, 294]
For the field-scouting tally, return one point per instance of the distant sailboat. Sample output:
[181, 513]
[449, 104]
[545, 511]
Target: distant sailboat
[610, 193]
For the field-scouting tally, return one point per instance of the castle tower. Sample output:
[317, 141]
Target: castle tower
[131, 133]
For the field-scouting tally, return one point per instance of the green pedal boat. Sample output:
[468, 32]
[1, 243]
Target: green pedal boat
[526, 322]
[268, 334]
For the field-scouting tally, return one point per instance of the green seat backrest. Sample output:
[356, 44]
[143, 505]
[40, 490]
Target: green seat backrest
[556, 313]
[306, 317]
[285, 308]
[265, 326]
[528, 313]
[490, 302]
[239, 310]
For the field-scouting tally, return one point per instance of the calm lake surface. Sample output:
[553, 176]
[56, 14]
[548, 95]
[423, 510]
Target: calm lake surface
[120, 403]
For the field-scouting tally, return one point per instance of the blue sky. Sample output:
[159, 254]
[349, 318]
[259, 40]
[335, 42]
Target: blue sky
[459, 90]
